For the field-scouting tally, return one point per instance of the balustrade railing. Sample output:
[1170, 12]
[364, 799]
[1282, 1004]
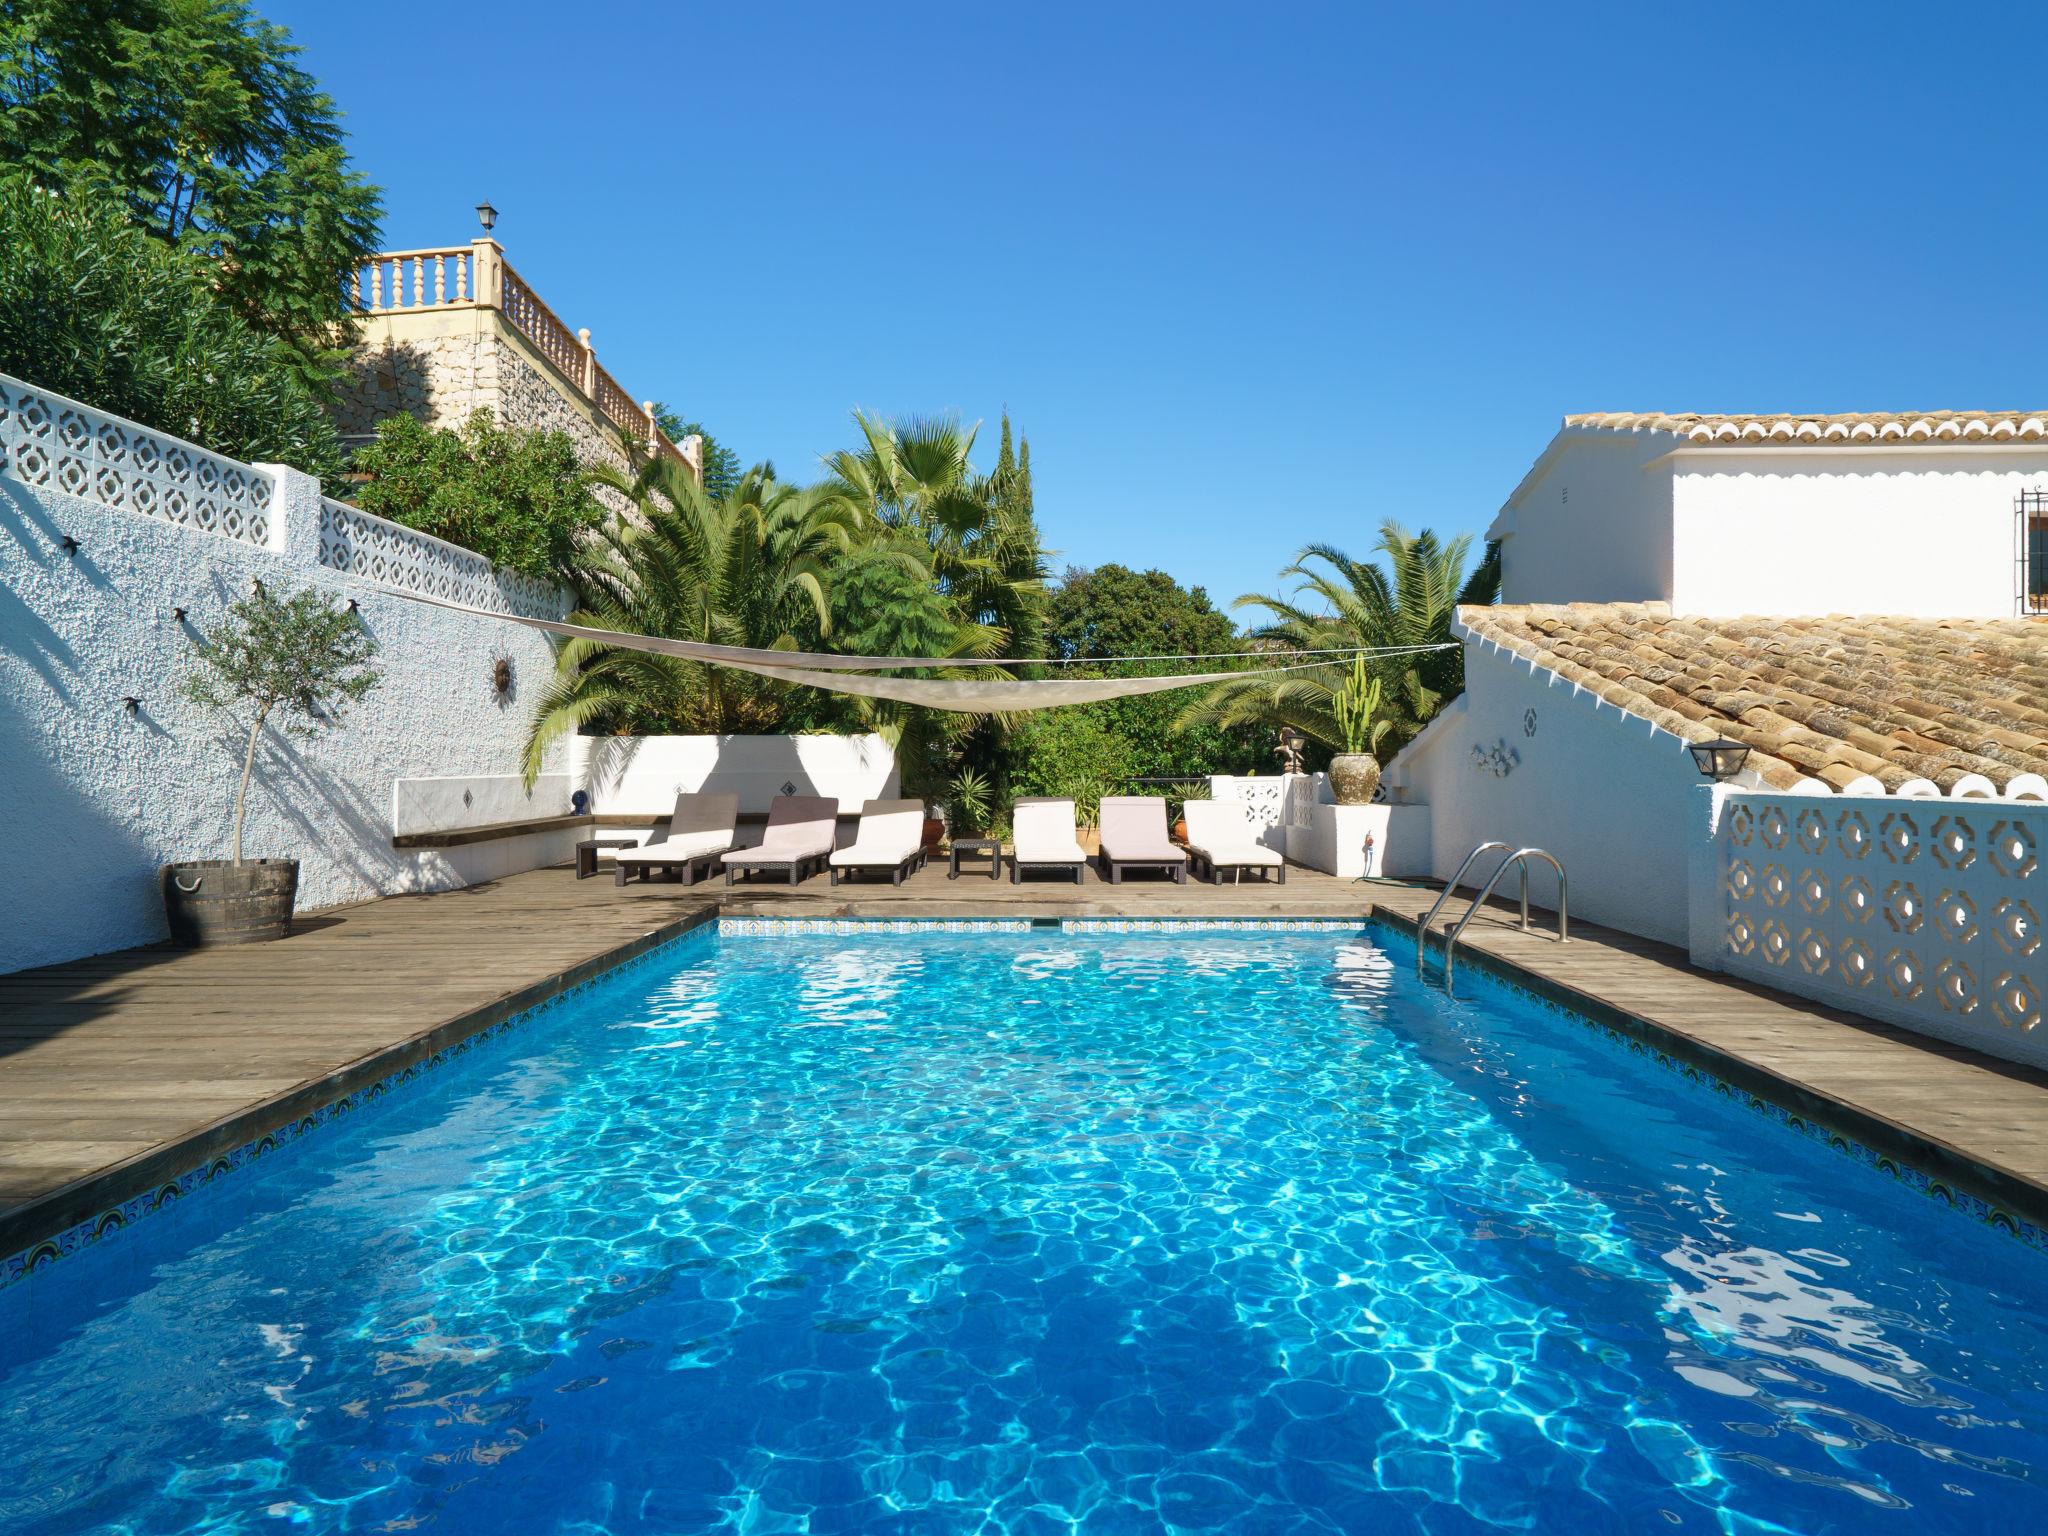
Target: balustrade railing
[463, 277]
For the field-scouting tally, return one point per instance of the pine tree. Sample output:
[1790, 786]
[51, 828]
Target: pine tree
[1024, 502]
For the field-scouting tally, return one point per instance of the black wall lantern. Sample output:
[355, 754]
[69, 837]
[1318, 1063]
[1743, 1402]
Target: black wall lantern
[1719, 759]
[487, 216]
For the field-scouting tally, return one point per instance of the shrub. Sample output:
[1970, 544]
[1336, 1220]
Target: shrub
[95, 309]
[516, 497]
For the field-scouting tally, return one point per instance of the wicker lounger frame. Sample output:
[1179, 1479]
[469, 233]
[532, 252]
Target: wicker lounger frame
[1276, 873]
[896, 871]
[688, 867]
[795, 869]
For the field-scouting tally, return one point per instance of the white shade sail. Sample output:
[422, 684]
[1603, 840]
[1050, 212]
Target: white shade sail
[844, 674]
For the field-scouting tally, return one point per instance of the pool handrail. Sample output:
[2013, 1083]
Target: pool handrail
[1422, 933]
[1520, 857]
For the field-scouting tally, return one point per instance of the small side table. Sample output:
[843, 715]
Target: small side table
[991, 846]
[586, 852]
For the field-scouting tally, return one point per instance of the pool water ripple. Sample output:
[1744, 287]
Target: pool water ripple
[1021, 1234]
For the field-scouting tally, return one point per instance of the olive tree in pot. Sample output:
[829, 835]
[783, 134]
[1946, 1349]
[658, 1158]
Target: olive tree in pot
[1355, 771]
[302, 659]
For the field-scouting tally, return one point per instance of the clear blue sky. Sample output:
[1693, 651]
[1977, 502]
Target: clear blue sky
[1248, 277]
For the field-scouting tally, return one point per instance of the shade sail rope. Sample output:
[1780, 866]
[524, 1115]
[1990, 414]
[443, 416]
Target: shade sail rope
[842, 674]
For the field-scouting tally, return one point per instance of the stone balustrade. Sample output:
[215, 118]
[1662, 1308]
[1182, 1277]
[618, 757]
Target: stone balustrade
[477, 276]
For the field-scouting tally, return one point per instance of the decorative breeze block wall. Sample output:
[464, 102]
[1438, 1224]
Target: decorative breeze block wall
[396, 556]
[48, 442]
[1925, 913]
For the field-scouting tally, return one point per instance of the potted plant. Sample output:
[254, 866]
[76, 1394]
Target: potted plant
[1354, 771]
[969, 800]
[1177, 799]
[303, 659]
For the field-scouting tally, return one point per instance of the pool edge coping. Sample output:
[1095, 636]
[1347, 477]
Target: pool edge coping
[2005, 1190]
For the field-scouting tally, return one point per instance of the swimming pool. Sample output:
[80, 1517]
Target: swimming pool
[1029, 1233]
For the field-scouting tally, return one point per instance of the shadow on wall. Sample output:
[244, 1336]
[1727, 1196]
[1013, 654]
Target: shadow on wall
[91, 880]
[646, 773]
[390, 380]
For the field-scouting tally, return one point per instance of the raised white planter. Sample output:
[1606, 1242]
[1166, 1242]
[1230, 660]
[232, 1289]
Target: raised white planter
[1334, 840]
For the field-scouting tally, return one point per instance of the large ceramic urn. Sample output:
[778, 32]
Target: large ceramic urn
[1354, 776]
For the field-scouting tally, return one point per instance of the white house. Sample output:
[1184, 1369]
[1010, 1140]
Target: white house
[1915, 514]
[1845, 595]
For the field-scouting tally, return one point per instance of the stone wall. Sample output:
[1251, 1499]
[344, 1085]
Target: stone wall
[443, 366]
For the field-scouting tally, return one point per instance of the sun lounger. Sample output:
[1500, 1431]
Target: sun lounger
[699, 830]
[1045, 839]
[1220, 836]
[799, 839]
[890, 839]
[1134, 837]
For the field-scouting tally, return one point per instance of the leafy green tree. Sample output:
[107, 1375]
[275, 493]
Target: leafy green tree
[751, 569]
[914, 478]
[192, 117]
[304, 658]
[1342, 602]
[93, 308]
[1115, 611]
[722, 468]
[519, 498]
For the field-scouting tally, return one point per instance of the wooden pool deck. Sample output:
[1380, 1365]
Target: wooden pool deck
[119, 1072]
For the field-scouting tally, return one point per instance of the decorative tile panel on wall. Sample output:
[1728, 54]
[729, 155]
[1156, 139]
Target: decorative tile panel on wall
[1926, 913]
[381, 551]
[50, 443]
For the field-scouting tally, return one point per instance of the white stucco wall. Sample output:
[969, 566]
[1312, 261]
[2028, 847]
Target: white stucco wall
[1590, 525]
[1926, 532]
[1610, 516]
[98, 796]
[1603, 790]
[642, 775]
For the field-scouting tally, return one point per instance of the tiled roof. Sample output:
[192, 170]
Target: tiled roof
[1825, 698]
[1860, 429]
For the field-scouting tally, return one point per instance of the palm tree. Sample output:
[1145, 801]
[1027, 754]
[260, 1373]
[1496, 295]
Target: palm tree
[749, 568]
[1342, 602]
[913, 478]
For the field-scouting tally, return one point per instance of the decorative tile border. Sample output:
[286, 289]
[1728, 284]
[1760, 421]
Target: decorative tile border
[1213, 925]
[96, 1229]
[1963, 1201]
[784, 927]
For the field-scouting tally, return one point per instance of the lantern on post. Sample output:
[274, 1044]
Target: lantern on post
[1719, 759]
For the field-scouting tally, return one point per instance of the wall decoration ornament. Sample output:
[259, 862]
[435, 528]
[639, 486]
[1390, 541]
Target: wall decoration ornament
[1500, 759]
[1529, 721]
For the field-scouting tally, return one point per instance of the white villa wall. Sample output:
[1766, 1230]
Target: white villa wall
[1603, 790]
[98, 796]
[1919, 532]
[1590, 525]
[642, 775]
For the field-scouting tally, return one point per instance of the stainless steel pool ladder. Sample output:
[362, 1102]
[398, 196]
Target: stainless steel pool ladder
[1519, 858]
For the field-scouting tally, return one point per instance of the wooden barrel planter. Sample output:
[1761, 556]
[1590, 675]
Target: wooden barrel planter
[215, 901]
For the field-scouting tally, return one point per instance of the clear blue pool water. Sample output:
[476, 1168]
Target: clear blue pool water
[1033, 1234]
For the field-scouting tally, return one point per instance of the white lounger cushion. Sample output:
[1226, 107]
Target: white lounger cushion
[800, 827]
[699, 826]
[1221, 832]
[890, 832]
[673, 850]
[1045, 833]
[1134, 831]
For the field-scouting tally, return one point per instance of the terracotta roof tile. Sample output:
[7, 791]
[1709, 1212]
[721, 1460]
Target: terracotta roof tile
[1855, 429]
[1825, 698]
